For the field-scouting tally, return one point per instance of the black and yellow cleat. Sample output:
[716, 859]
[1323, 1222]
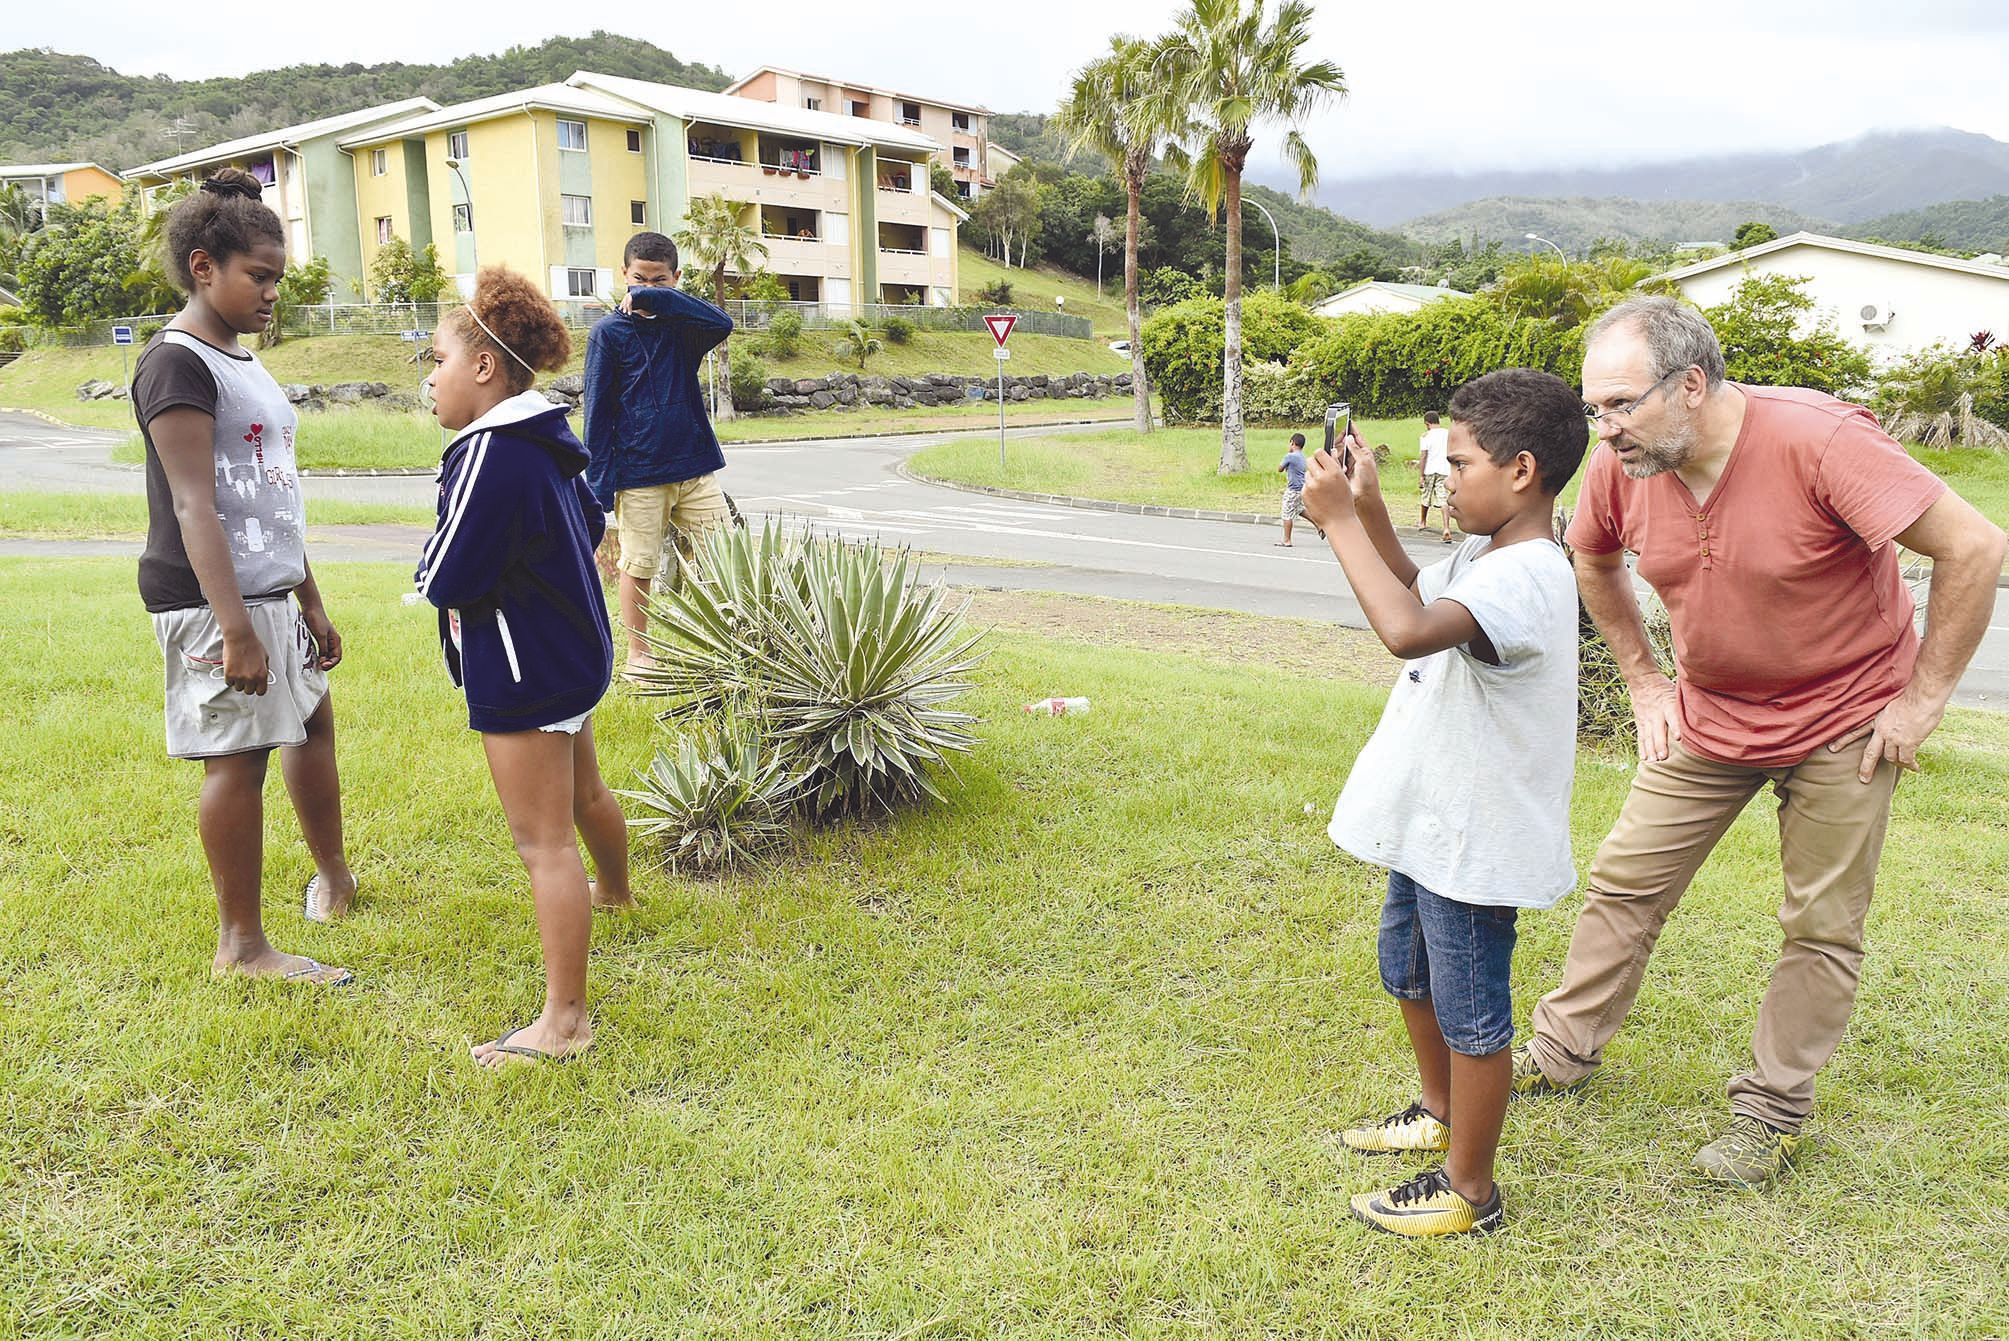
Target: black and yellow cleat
[1752, 1154]
[1426, 1207]
[1415, 1128]
[1531, 1082]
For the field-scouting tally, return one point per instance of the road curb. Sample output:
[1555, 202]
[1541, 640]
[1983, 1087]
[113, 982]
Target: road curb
[1091, 504]
[48, 418]
[917, 433]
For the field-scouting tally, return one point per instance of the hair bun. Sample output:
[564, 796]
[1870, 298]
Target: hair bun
[234, 182]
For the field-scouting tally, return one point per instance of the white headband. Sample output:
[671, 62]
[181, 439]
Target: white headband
[498, 340]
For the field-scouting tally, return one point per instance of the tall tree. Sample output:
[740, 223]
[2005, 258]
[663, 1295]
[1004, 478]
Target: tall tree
[1226, 72]
[1108, 109]
[715, 240]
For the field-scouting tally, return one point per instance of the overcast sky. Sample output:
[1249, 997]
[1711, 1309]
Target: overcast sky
[1450, 84]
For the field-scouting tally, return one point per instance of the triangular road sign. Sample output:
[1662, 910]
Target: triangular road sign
[1001, 327]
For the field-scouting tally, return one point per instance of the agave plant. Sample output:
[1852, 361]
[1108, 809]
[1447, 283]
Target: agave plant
[846, 660]
[718, 796]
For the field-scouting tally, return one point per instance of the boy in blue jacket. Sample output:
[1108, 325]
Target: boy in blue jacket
[654, 456]
[523, 626]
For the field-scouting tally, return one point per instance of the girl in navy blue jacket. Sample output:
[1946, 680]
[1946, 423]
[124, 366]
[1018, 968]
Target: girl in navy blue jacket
[523, 627]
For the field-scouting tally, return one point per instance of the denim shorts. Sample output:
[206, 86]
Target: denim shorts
[1457, 956]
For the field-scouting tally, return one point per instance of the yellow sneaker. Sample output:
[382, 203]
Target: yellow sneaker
[1426, 1207]
[1414, 1128]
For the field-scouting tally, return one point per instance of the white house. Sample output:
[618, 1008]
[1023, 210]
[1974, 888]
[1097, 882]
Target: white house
[1380, 295]
[1889, 300]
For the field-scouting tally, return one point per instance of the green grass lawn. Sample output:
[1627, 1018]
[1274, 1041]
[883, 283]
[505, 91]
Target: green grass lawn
[1172, 467]
[962, 352]
[1062, 1057]
[1034, 289]
[123, 516]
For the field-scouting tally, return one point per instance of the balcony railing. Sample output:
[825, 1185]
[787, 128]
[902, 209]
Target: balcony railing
[792, 237]
[901, 251]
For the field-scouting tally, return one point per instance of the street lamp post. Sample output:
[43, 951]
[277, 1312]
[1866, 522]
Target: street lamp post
[467, 196]
[1276, 255]
[1536, 237]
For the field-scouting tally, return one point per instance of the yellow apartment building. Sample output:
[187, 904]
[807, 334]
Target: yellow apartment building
[62, 183]
[961, 131]
[308, 181]
[550, 181]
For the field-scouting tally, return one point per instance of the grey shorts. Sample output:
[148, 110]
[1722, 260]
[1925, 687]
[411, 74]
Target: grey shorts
[1293, 505]
[206, 718]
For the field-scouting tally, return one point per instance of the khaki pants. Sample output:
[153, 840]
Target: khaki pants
[645, 519]
[1831, 830]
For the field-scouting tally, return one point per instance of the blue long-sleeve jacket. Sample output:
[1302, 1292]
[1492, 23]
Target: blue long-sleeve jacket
[522, 620]
[645, 403]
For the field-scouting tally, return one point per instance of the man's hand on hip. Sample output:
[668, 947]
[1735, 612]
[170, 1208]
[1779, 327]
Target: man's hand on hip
[1656, 714]
[1894, 734]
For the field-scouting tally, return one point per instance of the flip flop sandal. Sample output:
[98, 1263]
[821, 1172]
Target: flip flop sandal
[315, 966]
[503, 1044]
[308, 901]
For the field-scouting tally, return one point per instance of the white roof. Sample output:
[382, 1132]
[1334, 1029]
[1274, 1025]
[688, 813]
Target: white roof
[548, 97]
[723, 109]
[13, 170]
[1841, 244]
[736, 85]
[283, 138]
[950, 205]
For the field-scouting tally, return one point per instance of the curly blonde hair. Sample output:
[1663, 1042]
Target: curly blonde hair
[522, 318]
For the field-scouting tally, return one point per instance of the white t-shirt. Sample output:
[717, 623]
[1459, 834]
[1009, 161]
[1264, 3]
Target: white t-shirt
[1435, 448]
[1465, 785]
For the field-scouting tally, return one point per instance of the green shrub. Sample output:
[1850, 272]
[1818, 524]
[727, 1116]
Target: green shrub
[1281, 393]
[784, 333]
[1764, 344]
[1395, 365]
[717, 796]
[898, 330]
[746, 377]
[997, 293]
[845, 662]
[856, 342]
[1183, 346]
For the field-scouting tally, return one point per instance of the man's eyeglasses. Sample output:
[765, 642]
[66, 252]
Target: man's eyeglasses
[1625, 411]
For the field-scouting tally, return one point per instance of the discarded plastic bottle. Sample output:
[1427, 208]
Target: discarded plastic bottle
[1057, 707]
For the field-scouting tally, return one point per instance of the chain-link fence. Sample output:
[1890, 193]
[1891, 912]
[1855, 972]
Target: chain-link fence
[397, 318]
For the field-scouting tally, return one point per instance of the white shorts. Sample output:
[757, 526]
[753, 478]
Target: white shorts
[571, 726]
[206, 718]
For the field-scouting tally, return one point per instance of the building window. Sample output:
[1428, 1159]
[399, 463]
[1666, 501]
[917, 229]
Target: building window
[380, 162]
[910, 114]
[580, 283]
[813, 104]
[962, 158]
[456, 145]
[463, 218]
[638, 212]
[578, 211]
[383, 230]
[959, 120]
[861, 109]
[572, 136]
[965, 190]
[634, 141]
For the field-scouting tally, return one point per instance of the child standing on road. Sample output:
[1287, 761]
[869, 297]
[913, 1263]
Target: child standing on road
[523, 627]
[1491, 635]
[655, 459]
[1292, 469]
[247, 643]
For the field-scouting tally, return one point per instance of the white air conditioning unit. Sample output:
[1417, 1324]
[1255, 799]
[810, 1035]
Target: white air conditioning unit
[1875, 316]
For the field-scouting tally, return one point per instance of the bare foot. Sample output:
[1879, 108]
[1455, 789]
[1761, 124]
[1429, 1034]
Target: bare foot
[270, 963]
[538, 1041]
[326, 900]
[612, 901]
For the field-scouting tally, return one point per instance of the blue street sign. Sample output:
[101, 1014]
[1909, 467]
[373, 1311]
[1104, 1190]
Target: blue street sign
[122, 335]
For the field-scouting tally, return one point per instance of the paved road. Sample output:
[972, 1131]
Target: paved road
[855, 487]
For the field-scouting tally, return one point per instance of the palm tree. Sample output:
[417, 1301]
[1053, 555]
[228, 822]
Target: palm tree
[1227, 71]
[714, 240]
[858, 342]
[1107, 109]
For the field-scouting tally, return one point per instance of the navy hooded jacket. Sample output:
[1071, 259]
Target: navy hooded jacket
[645, 403]
[522, 620]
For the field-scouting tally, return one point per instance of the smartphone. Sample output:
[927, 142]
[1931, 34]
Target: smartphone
[1338, 431]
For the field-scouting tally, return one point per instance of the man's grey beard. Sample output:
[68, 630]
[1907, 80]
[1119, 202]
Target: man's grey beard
[1675, 445]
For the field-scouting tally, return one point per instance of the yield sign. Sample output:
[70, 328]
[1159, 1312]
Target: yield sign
[1001, 327]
